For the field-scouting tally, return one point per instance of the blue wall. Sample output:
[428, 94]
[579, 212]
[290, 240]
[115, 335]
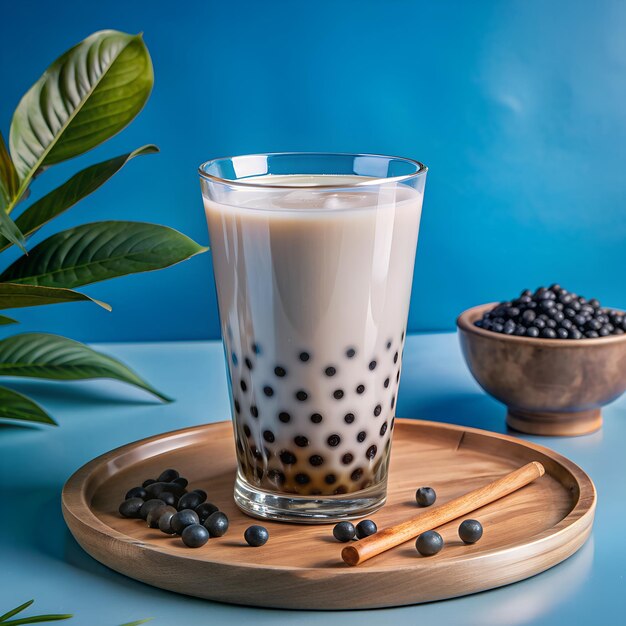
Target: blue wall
[518, 108]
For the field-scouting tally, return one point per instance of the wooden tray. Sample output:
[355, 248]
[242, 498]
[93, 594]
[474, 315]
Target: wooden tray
[300, 567]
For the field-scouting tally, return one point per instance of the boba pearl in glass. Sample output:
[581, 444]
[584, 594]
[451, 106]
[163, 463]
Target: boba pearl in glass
[313, 260]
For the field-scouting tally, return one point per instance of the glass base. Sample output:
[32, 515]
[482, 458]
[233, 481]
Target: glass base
[308, 509]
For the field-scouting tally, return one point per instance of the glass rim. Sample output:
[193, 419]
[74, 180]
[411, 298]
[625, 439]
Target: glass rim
[421, 170]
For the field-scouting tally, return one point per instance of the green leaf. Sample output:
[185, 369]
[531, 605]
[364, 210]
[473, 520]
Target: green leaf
[85, 97]
[9, 180]
[14, 296]
[39, 355]
[16, 610]
[99, 251]
[141, 621]
[36, 619]
[69, 193]
[10, 231]
[15, 406]
[5, 321]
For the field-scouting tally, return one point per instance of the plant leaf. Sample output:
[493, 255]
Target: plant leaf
[86, 96]
[39, 355]
[141, 621]
[72, 191]
[16, 610]
[14, 296]
[15, 406]
[5, 320]
[10, 231]
[9, 180]
[99, 251]
[36, 619]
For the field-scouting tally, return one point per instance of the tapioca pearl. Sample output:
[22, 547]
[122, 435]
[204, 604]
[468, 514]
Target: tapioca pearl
[371, 452]
[386, 383]
[361, 436]
[334, 440]
[348, 418]
[316, 460]
[347, 458]
[256, 453]
[388, 346]
[330, 479]
[395, 357]
[402, 336]
[254, 410]
[284, 417]
[246, 430]
[276, 475]
[280, 371]
[288, 458]
[393, 422]
[383, 429]
[393, 401]
[248, 363]
[234, 359]
[304, 356]
[302, 478]
[316, 418]
[302, 395]
[360, 389]
[268, 391]
[256, 348]
[268, 435]
[398, 377]
[237, 406]
[338, 394]
[330, 371]
[340, 490]
[350, 353]
[243, 386]
[377, 410]
[372, 365]
[357, 474]
[301, 441]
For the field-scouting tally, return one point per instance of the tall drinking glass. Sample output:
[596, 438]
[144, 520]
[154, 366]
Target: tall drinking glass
[313, 260]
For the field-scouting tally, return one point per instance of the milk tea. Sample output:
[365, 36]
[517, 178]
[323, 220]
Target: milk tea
[313, 290]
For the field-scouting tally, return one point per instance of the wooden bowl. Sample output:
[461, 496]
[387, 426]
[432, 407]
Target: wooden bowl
[550, 386]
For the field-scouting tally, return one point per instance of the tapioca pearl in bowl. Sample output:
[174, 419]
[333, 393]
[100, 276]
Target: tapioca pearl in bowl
[360, 389]
[377, 410]
[349, 418]
[284, 417]
[280, 371]
[301, 441]
[304, 356]
[361, 436]
[316, 418]
[316, 460]
[338, 394]
[350, 353]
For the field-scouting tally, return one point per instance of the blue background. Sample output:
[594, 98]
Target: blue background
[517, 107]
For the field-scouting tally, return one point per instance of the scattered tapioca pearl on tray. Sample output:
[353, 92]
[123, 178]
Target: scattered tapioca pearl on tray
[429, 543]
[425, 496]
[553, 313]
[256, 536]
[470, 531]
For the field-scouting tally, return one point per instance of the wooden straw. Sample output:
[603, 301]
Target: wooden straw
[438, 515]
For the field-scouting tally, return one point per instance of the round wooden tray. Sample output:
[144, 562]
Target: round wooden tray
[300, 567]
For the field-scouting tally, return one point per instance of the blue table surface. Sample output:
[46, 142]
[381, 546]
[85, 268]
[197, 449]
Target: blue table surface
[40, 559]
